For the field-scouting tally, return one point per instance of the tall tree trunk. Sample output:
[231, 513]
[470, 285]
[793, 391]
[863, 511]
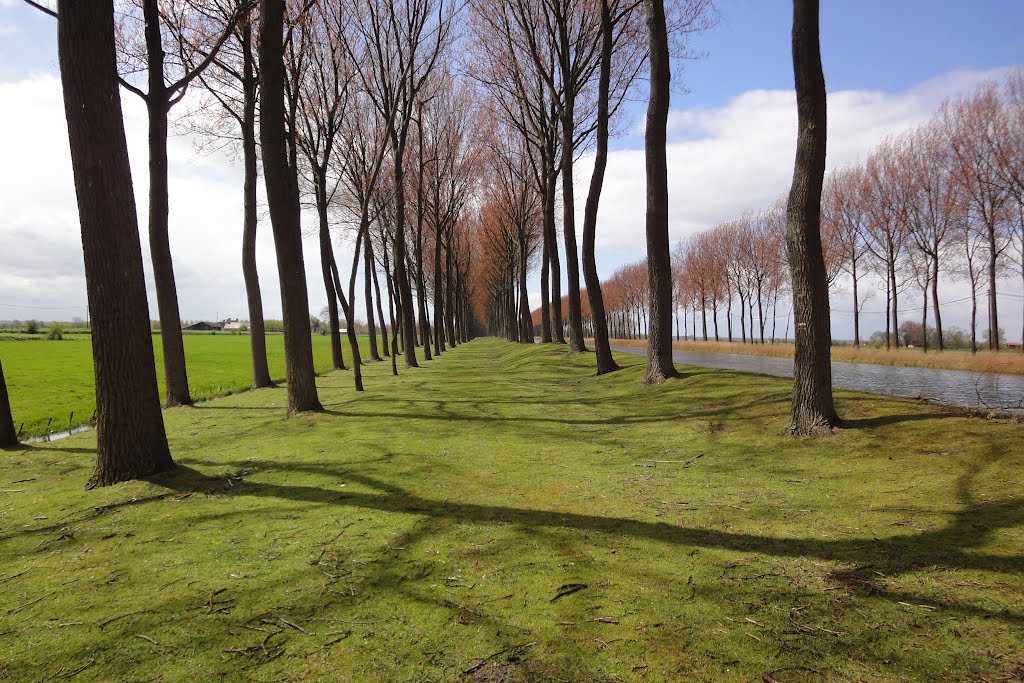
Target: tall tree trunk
[888, 308]
[449, 322]
[551, 238]
[813, 409]
[250, 273]
[392, 304]
[935, 302]
[175, 374]
[545, 292]
[368, 267]
[327, 263]
[348, 309]
[924, 319]
[760, 314]
[525, 320]
[895, 300]
[378, 300]
[283, 199]
[130, 438]
[974, 311]
[421, 303]
[605, 361]
[993, 308]
[856, 307]
[439, 300]
[402, 285]
[576, 342]
[659, 261]
[8, 437]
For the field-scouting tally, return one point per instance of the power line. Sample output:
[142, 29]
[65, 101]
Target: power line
[46, 308]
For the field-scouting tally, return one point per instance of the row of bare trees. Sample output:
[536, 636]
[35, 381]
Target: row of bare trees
[354, 112]
[549, 66]
[351, 111]
[940, 202]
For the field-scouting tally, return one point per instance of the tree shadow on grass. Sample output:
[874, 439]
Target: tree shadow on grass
[885, 420]
[951, 546]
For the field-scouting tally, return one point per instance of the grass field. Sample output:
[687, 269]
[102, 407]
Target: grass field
[503, 515]
[1006, 361]
[54, 379]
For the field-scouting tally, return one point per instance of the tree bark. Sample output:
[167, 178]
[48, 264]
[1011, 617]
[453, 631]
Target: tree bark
[348, 309]
[371, 327]
[993, 308]
[856, 308]
[576, 343]
[605, 361]
[551, 238]
[439, 300]
[449, 322]
[250, 273]
[327, 264]
[813, 409]
[935, 302]
[283, 200]
[130, 438]
[379, 301]
[175, 373]
[8, 437]
[402, 285]
[659, 260]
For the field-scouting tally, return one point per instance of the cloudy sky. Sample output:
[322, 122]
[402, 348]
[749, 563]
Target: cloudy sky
[888, 66]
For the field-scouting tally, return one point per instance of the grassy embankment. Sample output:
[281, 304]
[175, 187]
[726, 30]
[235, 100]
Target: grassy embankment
[424, 530]
[1007, 362]
[54, 379]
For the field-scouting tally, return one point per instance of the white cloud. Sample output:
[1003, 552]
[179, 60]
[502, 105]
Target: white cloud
[740, 156]
[41, 271]
[721, 161]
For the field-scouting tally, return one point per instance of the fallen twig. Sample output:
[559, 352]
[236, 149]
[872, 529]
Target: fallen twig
[106, 622]
[514, 648]
[568, 589]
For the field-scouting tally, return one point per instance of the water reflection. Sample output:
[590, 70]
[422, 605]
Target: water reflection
[950, 387]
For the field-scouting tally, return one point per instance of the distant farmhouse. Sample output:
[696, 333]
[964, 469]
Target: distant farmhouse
[227, 325]
[203, 326]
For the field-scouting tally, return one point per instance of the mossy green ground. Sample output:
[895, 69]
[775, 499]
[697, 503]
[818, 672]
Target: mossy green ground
[425, 528]
[54, 379]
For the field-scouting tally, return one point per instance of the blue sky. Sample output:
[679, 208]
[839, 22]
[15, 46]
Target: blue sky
[888, 45]
[887, 64]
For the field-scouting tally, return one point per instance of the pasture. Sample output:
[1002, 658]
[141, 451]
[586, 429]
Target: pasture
[54, 379]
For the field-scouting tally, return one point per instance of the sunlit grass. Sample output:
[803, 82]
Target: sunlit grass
[51, 382]
[425, 528]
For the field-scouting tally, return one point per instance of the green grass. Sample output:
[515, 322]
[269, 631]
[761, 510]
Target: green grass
[413, 531]
[54, 379]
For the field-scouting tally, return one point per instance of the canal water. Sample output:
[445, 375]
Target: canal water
[1004, 393]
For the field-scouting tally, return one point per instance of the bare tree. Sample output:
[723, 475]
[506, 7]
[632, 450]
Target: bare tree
[813, 409]
[283, 198]
[659, 260]
[968, 124]
[146, 38]
[130, 438]
[843, 215]
[224, 115]
[401, 43]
